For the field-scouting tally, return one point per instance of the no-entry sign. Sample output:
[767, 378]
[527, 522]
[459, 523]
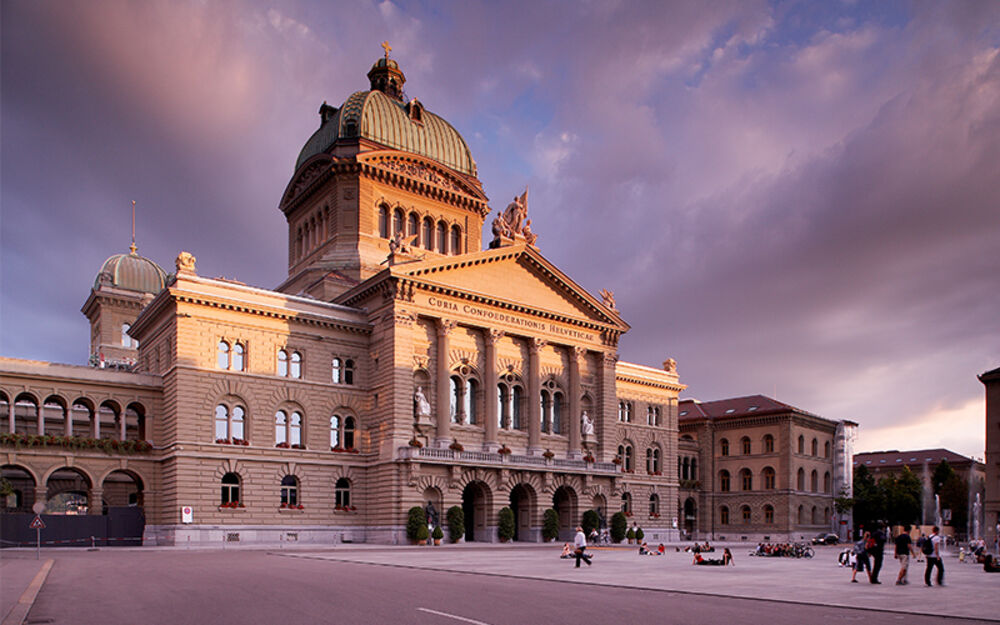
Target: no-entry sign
[187, 514]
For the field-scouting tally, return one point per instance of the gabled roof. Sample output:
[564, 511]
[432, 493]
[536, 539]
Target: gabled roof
[751, 405]
[876, 459]
[515, 277]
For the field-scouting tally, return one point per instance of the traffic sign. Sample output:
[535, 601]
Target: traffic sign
[37, 523]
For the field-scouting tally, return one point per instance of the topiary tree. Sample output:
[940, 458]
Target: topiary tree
[415, 519]
[550, 524]
[422, 533]
[456, 523]
[639, 534]
[590, 521]
[437, 534]
[505, 525]
[630, 534]
[619, 524]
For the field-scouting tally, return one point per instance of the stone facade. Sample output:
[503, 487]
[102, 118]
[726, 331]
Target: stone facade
[991, 505]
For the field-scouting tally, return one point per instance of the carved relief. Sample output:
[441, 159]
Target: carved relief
[419, 171]
[185, 262]
[494, 336]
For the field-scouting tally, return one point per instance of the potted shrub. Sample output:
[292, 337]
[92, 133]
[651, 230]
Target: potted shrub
[415, 519]
[590, 521]
[456, 523]
[619, 524]
[630, 535]
[437, 534]
[550, 524]
[422, 534]
[639, 535]
[505, 525]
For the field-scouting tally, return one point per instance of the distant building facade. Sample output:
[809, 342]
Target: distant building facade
[991, 505]
[756, 469]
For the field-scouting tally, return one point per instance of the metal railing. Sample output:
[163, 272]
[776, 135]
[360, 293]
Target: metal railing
[497, 459]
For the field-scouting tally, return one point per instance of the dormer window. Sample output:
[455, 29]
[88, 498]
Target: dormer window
[415, 110]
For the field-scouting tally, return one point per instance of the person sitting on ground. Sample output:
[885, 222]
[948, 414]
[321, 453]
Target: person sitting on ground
[727, 557]
[701, 561]
[643, 550]
[990, 565]
[567, 551]
[661, 549]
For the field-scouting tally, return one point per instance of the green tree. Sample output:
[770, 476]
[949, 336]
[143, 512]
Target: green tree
[955, 497]
[505, 524]
[869, 499]
[437, 534]
[456, 523]
[942, 473]
[550, 524]
[590, 521]
[903, 500]
[639, 534]
[415, 519]
[619, 524]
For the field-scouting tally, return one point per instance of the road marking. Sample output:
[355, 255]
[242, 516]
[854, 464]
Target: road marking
[457, 618]
[19, 612]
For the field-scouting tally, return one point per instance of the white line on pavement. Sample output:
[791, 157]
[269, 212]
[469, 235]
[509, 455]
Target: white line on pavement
[457, 618]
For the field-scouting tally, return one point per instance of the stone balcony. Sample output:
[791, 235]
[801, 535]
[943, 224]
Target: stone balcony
[485, 458]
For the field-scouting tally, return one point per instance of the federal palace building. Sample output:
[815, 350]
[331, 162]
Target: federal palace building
[403, 362]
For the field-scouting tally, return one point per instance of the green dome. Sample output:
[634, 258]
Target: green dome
[131, 272]
[379, 116]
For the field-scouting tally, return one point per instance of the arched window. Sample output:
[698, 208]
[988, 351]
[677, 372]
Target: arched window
[627, 503]
[724, 481]
[685, 468]
[397, 222]
[295, 366]
[334, 432]
[342, 494]
[629, 460]
[769, 477]
[694, 466]
[237, 360]
[280, 428]
[724, 447]
[348, 371]
[826, 449]
[383, 221]
[814, 481]
[464, 389]
[746, 479]
[509, 395]
[229, 422]
[455, 387]
[826, 482]
[126, 339]
[295, 430]
[769, 514]
[230, 489]
[815, 447]
[654, 505]
[552, 406]
[745, 513]
[650, 419]
[802, 515]
[800, 483]
[625, 411]
[815, 515]
[471, 388]
[412, 225]
[289, 491]
[724, 515]
[657, 469]
[745, 445]
[348, 434]
[442, 237]
[338, 371]
[223, 355]
[456, 240]
[802, 444]
[282, 363]
[427, 238]
[768, 444]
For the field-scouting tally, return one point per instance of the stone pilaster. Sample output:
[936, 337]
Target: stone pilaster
[534, 396]
[442, 437]
[575, 353]
[490, 388]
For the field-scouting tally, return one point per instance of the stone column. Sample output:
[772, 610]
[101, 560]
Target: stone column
[121, 426]
[442, 437]
[69, 421]
[10, 415]
[95, 502]
[490, 388]
[575, 353]
[607, 410]
[41, 420]
[534, 396]
[96, 430]
[41, 494]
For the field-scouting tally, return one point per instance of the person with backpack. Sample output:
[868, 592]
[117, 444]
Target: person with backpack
[862, 563]
[932, 549]
[876, 549]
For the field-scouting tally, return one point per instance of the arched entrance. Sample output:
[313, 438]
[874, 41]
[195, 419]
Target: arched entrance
[122, 495]
[601, 508]
[67, 492]
[565, 503]
[690, 517]
[18, 495]
[475, 506]
[522, 502]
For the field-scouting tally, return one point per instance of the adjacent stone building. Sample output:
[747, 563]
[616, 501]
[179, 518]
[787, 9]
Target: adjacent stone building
[756, 469]
[991, 505]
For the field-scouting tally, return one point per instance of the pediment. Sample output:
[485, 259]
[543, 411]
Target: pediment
[514, 278]
[420, 169]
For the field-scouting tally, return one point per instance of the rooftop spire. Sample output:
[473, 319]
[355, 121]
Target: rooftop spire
[385, 75]
[132, 248]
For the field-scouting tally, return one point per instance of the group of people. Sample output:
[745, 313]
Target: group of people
[779, 550]
[725, 560]
[644, 550]
[869, 552]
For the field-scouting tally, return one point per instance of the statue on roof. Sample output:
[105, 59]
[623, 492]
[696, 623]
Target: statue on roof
[608, 298]
[513, 223]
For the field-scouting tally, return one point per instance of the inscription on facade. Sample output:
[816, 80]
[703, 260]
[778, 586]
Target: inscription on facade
[495, 315]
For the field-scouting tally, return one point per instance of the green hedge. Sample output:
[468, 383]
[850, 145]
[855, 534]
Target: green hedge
[505, 526]
[456, 523]
[550, 524]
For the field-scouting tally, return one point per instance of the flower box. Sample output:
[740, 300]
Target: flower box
[456, 446]
[415, 443]
[108, 445]
[231, 505]
[504, 450]
[548, 454]
[282, 445]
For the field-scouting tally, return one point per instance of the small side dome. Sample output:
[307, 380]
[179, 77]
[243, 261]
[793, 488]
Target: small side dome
[131, 272]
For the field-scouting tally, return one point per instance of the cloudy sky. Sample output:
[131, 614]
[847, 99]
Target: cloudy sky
[789, 198]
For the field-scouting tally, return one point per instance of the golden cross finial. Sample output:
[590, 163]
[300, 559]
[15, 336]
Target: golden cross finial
[387, 48]
[132, 247]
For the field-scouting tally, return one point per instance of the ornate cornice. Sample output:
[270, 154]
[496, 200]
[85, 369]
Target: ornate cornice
[303, 318]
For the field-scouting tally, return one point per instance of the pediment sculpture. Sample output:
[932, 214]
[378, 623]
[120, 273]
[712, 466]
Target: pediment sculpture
[513, 223]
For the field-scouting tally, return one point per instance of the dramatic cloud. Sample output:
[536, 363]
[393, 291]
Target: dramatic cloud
[795, 199]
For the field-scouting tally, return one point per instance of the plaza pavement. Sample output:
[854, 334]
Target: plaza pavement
[968, 593]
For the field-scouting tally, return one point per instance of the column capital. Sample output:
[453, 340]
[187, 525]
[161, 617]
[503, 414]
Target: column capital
[537, 344]
[610, 357]
[445, 326]
[579, 352]
[493, 335]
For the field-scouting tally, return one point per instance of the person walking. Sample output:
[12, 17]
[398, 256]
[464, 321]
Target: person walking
[581, 545]
[877, 551]
[861, 563]
[904, 548]
[933, 554]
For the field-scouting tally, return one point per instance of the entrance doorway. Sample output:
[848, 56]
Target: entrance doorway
[522, 502]
[565, 504]
[690, 517]
[475, 506]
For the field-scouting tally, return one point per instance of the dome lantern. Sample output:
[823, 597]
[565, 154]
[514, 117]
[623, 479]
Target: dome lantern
[385, 75]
